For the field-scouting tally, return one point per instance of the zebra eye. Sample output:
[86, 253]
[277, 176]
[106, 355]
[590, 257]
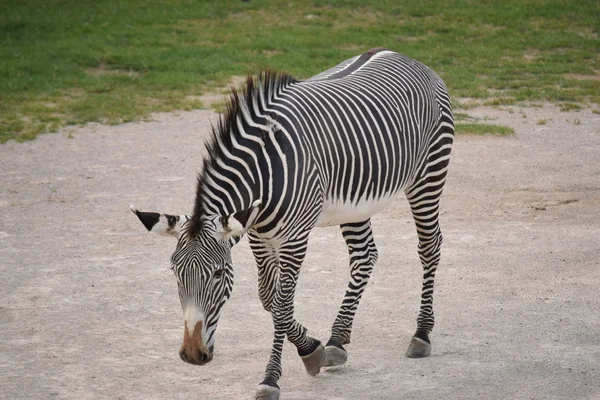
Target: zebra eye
[218, 273]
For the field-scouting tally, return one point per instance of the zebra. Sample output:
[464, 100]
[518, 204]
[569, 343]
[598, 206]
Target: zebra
[290, 155]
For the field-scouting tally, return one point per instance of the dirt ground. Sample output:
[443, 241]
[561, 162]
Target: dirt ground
[89, 307]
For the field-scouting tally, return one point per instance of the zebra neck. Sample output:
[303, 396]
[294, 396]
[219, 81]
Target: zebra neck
[230, 184]
[238, 168]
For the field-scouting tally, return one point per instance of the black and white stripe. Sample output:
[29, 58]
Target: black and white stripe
[290, 155]
[204, 272]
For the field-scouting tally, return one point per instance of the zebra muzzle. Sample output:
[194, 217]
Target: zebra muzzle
[193, 350]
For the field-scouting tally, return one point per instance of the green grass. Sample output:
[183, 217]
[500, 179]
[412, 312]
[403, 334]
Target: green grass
[483, 129]
[71, 62]
[570, 107]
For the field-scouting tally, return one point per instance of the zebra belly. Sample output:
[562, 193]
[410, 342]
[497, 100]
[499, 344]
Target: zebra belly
[336, 213]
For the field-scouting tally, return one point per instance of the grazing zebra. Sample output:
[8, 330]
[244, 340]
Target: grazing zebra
[292, 155]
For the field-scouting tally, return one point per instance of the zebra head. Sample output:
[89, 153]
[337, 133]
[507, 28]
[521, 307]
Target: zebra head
[203, 268]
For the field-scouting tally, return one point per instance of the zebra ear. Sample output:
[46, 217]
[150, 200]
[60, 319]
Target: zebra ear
[163, 224]
[236, 224]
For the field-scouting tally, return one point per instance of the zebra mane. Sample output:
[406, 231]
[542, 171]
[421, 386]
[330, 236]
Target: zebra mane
[244, 101]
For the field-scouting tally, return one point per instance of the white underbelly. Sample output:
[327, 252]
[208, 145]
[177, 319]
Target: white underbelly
[341, 213]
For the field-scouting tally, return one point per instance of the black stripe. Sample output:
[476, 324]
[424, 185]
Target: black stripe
[357, 64]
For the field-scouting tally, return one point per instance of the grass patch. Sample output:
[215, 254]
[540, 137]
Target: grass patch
[459, 116]
[570, 107]
[110, 61]
[500, 101]
[541, 122]
[483, 129]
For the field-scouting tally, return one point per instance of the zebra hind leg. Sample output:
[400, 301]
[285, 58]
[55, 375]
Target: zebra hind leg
[424, 200]
[363, 255]
[430, 241]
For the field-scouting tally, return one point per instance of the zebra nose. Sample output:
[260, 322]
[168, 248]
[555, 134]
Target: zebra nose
[193, 350]
[195, 356]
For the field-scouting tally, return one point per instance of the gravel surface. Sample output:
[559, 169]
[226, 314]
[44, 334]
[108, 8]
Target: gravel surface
[89, 307]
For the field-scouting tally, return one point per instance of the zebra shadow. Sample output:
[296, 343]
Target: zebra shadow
[339, 370]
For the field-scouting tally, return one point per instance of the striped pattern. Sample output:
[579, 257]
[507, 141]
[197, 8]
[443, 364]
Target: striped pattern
[363, 255]
[204, 274]
[340, 68]
[332, 150]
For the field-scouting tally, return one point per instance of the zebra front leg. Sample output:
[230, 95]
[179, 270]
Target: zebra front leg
[282, 311]
[267, 262]
[363, 255]
[425, 210]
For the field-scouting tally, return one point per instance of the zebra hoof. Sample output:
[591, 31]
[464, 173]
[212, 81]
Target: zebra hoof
[335, 356]
[266, 392]
[418, 348]
[314, 361]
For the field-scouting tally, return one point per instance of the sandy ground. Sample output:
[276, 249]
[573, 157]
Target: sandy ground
[89, 308]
